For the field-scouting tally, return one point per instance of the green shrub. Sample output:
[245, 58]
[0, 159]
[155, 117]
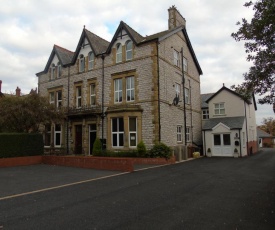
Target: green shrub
[141, 148]
[20, 144]
[160, 150]
[97, 147]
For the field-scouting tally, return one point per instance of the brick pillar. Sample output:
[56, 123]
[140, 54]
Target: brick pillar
[18, 91]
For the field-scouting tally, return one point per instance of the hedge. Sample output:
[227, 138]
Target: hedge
[20, 144]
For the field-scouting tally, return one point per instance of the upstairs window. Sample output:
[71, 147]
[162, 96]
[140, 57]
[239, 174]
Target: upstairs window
[176, 58]
[52, 72]
[58, 70]
[187, 95]
[205, 114]
[81, 63]
[92, 94]
[184, 60]
[58, 99]
[91, 58]
[129, 50]
[130, 88]
[219, 109]
[118, 53]
[78, 97]
[177, 88]
[51, 98]
[118, 90]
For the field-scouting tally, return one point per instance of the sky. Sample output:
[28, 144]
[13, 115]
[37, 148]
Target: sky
[30, 28]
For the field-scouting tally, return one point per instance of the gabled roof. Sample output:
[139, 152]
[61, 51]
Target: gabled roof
[231, 122]
[135, 36]
[64, 56]
[97, 44]
[204, 98]
[236, 94]
[261, 133]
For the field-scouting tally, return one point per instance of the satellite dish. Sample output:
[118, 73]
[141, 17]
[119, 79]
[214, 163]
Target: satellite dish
[176, 100]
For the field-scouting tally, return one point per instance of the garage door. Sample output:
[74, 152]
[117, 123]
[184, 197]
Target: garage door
[222, 145]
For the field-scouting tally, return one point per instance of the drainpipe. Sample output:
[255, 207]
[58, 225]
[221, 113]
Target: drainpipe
[204, 146]
[190, 89]
[247, 150]
[240, 143]
[68, 104]
[158, 91]
[183, 86]
[102, 103]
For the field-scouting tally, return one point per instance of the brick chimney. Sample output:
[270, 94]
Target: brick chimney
[175, 18]
[0, 85]
[18, 92]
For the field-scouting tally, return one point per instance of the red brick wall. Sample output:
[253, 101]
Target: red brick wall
[254, 146]
[18, 161]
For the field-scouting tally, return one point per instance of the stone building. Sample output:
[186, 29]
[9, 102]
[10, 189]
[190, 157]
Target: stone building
[130, 89]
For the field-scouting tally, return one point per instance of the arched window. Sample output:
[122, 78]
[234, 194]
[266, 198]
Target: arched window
[52, 71]
[129, 50]
[118, 53]
[81, 63]
[91, 57]
[58, 70]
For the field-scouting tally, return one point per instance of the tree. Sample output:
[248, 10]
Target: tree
[25, 114]
[268, 125]
[259, 37]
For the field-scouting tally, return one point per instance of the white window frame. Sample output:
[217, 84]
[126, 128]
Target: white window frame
[78, 96]
[118, 53]
[177, 88]
[118, 132]
[132, 132]
[52, 72]
[55, 135]
[118, 91]
[176, 58]
[179, 133]
[91, 58]
[81, 63]
[187, 133]
[58, 70]
[187, 95]
[131, 89]
[205, 114]
[185, 64]
[218, 108]
[51, 98]
[58, 100]
[92, 94]
[129, 50]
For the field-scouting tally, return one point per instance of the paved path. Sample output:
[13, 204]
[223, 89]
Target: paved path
[207, 193]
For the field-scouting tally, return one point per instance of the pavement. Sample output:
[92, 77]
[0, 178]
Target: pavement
[206, 193]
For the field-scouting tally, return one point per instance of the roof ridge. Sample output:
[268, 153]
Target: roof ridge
[96, 35]
[63, 48]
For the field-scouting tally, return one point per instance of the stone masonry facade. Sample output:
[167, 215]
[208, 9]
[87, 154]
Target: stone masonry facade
[156, 111]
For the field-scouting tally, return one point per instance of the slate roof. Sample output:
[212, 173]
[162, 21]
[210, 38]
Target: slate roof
[204, 98]
[99, 45]
[231, 122]
[64, 55]
[261, 133]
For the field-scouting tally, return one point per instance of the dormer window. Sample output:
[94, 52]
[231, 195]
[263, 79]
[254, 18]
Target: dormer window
[58, 70]
[219, 109]
[81, 63]
[118, 53]
[91, 57]
[129, 50]
[52, 72]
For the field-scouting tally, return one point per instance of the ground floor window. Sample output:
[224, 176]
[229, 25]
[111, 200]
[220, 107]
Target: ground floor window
[132, 131]
[117, 132]
[188, 134]
[222, 139]
[179, 133]
[47, 135]
[57, 135]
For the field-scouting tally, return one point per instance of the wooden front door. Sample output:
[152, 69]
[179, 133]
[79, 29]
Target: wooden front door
[78, 139]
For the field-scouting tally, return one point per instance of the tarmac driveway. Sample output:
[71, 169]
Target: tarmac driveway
[207, 193]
